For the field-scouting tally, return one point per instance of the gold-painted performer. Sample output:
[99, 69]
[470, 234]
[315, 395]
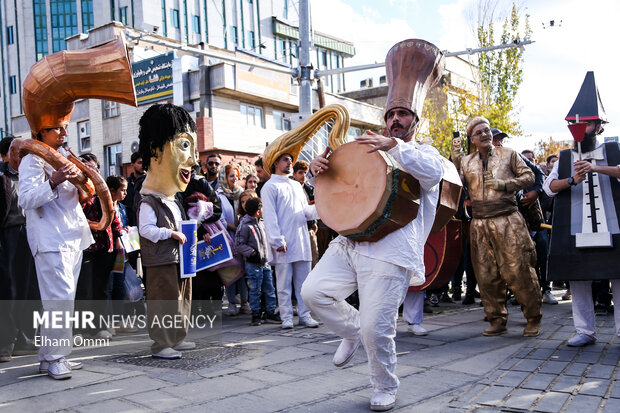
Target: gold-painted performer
[502, 252]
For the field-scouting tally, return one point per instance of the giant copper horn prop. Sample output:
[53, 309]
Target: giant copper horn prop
[50, 89]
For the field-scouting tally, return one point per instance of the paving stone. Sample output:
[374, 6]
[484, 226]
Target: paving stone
[157, 400]
[576, 369]
[484, 362]
[213, 389]
[522, 399]
[612, 406]
[550, 343]
[594, 387]
[582, 403]
[563, 355]
[492, 377]
[539, 381]
[541, 354]
[566, 384]
[610, 359]
[588, 357]
[527, 365]
[553, 367]
[600, 371]
[492, 396]
[551, 402]
[615, 392]
[463, 400]
[509, 364]
[512, 378]
[107, 406]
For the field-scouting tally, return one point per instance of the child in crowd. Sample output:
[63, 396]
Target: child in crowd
[251, 243]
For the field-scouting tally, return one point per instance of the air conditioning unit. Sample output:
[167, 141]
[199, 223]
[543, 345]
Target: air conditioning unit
[366, 83]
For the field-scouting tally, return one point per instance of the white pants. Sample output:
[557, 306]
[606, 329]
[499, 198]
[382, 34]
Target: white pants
[287, 275]
[413, 307]
[583, 306]
[57, 273]
[381, 287]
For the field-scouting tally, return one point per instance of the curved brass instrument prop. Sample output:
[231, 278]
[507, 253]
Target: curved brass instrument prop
[88, 181]
[49, 92]
[292, 142]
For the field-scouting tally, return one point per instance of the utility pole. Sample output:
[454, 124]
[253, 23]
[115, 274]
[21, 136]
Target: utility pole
[305, 67]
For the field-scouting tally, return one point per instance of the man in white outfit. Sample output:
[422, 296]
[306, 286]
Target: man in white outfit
[286, 212]
[413, 312]
[381, 271]
[57, 233]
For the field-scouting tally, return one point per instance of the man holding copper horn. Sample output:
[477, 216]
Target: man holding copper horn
[585, 239]
[57, 229]
[381, 270]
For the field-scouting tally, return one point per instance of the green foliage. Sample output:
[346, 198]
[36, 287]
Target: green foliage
[500, 76]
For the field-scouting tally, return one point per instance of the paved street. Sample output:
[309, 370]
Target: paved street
[266, 369]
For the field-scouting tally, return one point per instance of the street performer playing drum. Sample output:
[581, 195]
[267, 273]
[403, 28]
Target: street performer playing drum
[381, 271]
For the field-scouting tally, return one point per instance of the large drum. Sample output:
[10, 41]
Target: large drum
[365, 196]
[442, 255]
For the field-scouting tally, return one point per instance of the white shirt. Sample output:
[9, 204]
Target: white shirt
[405, 246]
[54, 218]
[286, 211]
[148, 220]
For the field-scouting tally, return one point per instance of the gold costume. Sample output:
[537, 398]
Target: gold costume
[502, 252]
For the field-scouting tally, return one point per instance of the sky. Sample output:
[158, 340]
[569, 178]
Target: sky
[584, 38]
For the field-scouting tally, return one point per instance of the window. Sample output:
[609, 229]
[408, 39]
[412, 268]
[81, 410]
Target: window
[9, 35]
[280, 48]
[123, 15]
[196, 24]
[281, 122]
[87, 15]
[40, 28]
[164, 25]
[12, 85]
[253, 115]
[174, 18]
[251, 40]
[233, 35]
[113, 160]
[64, 22]
[323, 58]
[110, 109]
[84, 136]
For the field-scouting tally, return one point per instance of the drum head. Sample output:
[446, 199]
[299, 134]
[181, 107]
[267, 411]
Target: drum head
[347, 196]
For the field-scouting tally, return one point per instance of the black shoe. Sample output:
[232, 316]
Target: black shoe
[272, 318]
[445, 298]
[434, 300]
[469, 299]
[256, 319]
[427, 309]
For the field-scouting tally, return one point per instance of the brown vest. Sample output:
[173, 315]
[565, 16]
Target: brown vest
[165, 251]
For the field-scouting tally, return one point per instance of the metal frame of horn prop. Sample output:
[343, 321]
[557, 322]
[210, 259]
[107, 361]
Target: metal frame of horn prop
[50, 90]
[293, 141]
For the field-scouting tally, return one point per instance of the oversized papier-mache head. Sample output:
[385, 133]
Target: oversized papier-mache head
[588, 104]
[55, 82]
[412, 67]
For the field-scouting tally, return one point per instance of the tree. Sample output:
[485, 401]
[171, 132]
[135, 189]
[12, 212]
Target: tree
[550, 147]
[500, 76]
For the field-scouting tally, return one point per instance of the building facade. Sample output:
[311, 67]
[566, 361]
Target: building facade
[238, 90]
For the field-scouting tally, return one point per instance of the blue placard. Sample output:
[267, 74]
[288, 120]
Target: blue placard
[153, 78]
[217, 252]
[187, 254]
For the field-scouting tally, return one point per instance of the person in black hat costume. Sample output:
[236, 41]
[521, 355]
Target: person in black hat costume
[527, 199]
[585, 239]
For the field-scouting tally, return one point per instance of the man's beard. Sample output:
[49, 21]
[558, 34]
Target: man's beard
[589, 142]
